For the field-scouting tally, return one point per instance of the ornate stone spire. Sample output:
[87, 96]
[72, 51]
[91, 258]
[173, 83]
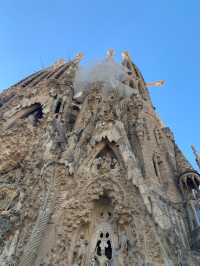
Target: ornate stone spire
[197, 155]
[78, 57]
[58, 63]
[110, 53]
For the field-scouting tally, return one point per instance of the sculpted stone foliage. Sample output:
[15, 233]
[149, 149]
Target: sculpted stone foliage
[89, 175]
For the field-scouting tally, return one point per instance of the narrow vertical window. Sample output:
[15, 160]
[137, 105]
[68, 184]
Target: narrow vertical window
[58, 106]
[156, 164]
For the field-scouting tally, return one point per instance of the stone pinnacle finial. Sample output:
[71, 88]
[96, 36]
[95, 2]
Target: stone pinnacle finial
[126, 56]
[196, 154]
[110, 53]
[59, 63]
[127, 62]
[79, 57]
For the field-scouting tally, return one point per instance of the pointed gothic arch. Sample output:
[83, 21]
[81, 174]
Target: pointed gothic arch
[189, 183]
[111, 150]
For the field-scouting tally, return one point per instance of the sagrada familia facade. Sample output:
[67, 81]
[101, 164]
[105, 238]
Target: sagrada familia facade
[89, 175]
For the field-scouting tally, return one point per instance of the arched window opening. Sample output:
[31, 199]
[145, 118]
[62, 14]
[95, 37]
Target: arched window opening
[34, 112]
[190, 184]
[76, 107]
[103, 209]
[104, 201]
[156, 168]
[108, 250]
[104, 246]
[104, 235]
[39, 113]
[58, 106]
[98, 248]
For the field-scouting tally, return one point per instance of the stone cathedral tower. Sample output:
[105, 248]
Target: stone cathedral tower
[89, 175]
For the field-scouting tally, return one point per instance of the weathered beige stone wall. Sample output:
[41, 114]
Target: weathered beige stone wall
[91, 171]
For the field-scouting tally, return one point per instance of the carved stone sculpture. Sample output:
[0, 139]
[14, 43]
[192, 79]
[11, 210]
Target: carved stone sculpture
[89, 175]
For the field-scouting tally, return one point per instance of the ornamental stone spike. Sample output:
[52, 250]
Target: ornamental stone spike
[196, 154]
[78, 57]
[110, 53]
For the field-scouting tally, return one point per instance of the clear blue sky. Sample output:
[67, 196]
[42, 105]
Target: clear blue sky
[163, 37]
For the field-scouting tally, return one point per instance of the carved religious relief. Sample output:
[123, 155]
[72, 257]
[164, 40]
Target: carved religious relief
[107, 113]
[102, 243]
[105, 161]
[156, 162]
[106, 243]
[97, 200]
[104, 238]
[103, 253]
[159, 167]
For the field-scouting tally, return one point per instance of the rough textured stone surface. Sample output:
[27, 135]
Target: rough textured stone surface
[92, 178]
